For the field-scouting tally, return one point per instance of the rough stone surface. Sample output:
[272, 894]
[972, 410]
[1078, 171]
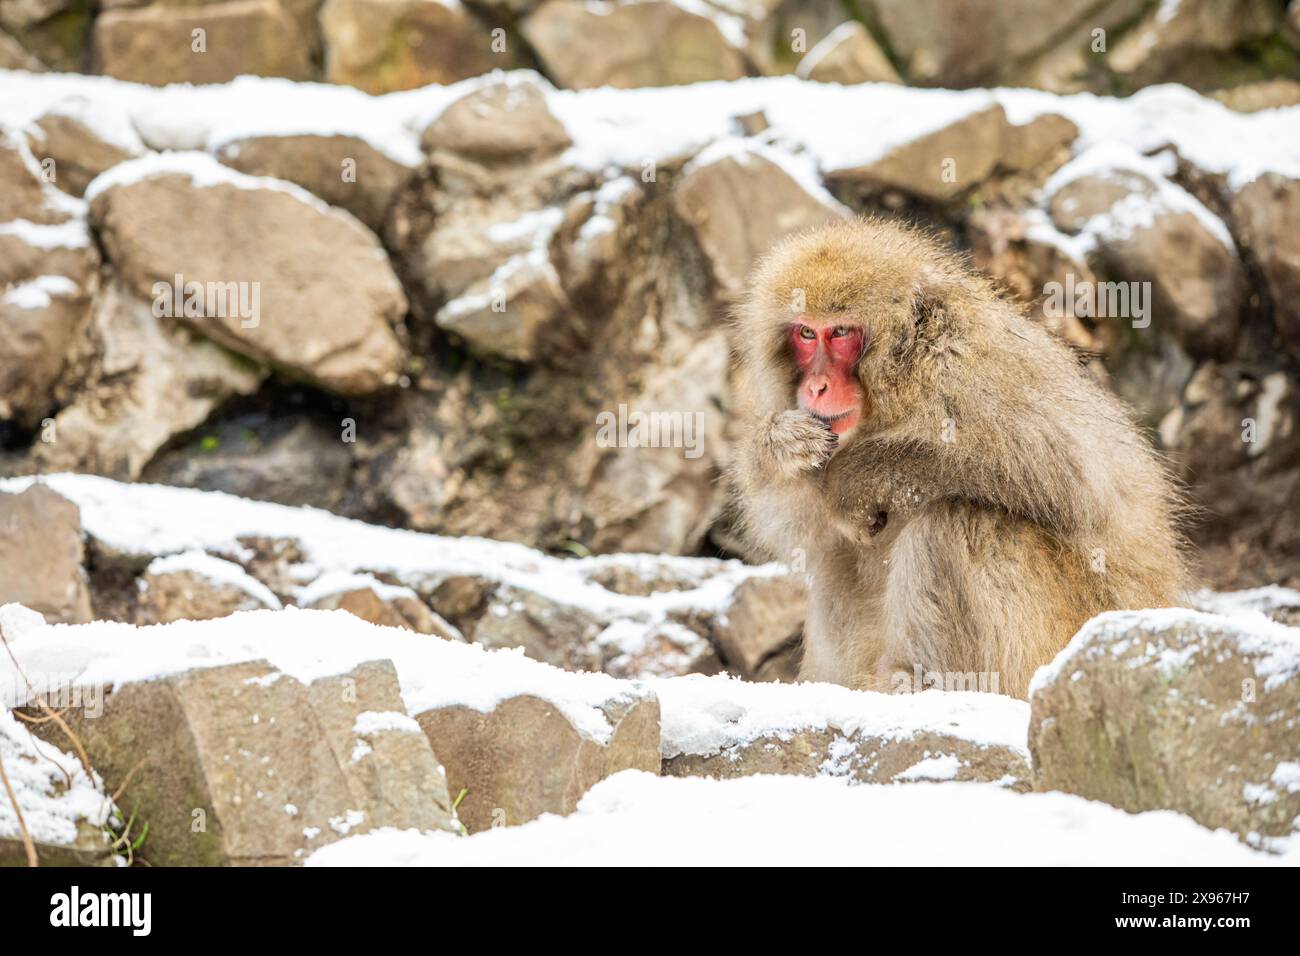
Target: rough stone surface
[1175, 710]
[386, 45]
[524, 758]
[942, 165]
[654, 43]
[41, 555]
[243, 765]
[342, 170]
[157, 44]
[328, 296]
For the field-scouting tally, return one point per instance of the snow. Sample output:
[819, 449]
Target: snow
[216, 570]
[1120, 163]
[150, 520]
[51, 787]
[837, 126]
[706, 715]
[306, 645]
[72, 234]
[941, 767]
[1274, 648]
[637, 819]
[38, 293]
[1262, 600]
[341, 582]
[377, 721]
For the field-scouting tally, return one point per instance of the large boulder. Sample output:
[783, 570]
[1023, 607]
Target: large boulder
[629, 44]
[722, 727]
[161, 44]
[386, 45]
[1145, 229]
[741, 199]
[942, 165]
[314, 288]
[83, 140]
[41, 555]
[1179, 710]
[244, 765]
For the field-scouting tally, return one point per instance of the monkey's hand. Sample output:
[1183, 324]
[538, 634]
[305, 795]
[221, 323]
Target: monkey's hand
[794, 444]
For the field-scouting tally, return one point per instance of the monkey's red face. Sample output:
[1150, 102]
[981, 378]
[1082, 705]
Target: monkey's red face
[827, 356]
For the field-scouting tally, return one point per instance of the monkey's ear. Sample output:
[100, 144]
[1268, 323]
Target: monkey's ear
[931, 303]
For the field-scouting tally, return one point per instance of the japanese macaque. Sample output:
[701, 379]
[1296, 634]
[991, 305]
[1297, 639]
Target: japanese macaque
[961, 493]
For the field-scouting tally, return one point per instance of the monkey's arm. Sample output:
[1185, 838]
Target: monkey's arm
[1018, 468]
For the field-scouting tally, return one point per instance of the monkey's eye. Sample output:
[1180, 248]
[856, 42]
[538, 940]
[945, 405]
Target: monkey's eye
[806, 333]
[839, 332]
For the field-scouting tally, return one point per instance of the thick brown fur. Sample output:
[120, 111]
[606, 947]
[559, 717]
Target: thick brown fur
[994, 497]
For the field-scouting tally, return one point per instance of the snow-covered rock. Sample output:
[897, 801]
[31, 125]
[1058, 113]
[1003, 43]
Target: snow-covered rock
[721, 727]
[1176, 709]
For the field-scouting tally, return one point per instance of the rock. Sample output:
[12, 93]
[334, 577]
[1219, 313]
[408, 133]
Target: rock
[1276, 603]
[1178, 42]
[41, 555]
[141, 381]
[291, 459]
[1230, 432]
[342, 170]
[315, 290]
[244, 765]
[503, 121]
[1148, 230]
[763, 616]
[1176, 710]
[651, 43]
[977, 43]
[48, 273]
[721, 727]
[637, 650]
[775, 35]
[390, 769]
[387, 605]
[740, 200]
[40, 319]
[553, 633]
[942, 165]
[525, 756]
[80, 147]
[54, 32]
[158, 44]
[1267, 214]
[505, 313]
[65, 810]
[386, 45]
[14, 57]
[659, 499]
[194, 586]
[1264, 95]
[848, 55]
[27, 194]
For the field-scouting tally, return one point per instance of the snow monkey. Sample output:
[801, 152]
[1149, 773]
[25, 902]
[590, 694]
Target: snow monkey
[963, 495]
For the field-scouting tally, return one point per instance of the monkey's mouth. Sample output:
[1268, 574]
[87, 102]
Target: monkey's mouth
[831, 419]
[840, 423]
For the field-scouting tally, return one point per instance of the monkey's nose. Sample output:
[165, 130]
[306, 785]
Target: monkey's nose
[817, 387]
